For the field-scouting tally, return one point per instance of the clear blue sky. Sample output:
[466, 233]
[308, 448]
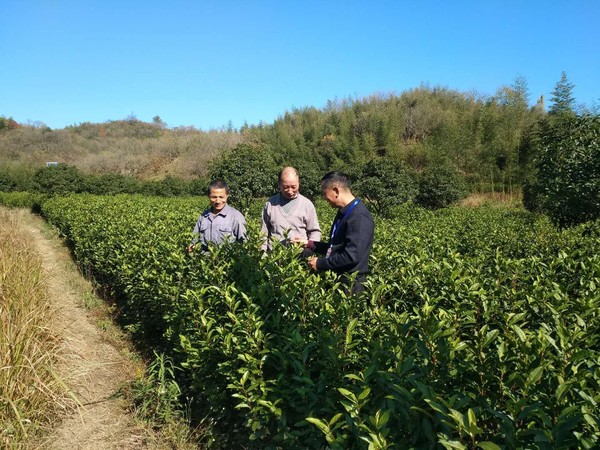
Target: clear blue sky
[204, 63]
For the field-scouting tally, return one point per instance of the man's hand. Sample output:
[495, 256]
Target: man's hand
[299, 241]
[312, 262]
[190, 248]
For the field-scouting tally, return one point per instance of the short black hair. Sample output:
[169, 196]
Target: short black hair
[217, 184]
[335, 178]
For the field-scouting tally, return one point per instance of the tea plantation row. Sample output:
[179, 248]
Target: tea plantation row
[480, 328]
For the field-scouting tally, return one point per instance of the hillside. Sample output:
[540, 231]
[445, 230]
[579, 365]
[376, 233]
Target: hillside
[127, 147]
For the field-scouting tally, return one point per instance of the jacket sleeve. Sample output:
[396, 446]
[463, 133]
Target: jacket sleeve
[353, 248]
[240, 228]
[320, 247]
[196, 231]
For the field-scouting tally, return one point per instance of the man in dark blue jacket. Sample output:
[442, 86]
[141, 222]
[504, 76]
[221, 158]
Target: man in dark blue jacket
[351, 235]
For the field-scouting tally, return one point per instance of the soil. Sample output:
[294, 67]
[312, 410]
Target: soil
[95, 364]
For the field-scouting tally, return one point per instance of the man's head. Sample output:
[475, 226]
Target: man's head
[289, 182]
[336, 189]
[218, 194]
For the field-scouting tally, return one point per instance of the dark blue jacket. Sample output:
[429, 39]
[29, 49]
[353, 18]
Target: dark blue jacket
[351, 244]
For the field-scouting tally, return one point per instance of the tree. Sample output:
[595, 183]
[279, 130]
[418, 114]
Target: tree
[439, 187]
[8, 123]
[511, 125]
[521, 89]
[385, 182]
[60, 179]
[562, 97]
[249, 170]
[567, 186]
[158, 122]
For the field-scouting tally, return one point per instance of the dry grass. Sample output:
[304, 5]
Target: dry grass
[98, 362]
[493, 199]
[29, 386]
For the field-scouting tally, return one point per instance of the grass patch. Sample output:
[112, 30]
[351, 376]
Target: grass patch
[497, 199]
[155, 397]
[29, 386]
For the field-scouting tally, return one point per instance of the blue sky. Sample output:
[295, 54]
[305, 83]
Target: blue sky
[205, 63]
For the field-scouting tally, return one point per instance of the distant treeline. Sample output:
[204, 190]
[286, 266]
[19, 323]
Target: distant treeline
[64, 179]
[491, 143]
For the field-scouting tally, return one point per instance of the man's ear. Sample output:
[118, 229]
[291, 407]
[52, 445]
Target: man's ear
[336, 189]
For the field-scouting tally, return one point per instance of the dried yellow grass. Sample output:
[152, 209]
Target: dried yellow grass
[29, 387]
[492, 199]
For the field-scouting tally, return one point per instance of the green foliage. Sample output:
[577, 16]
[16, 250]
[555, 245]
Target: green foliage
[198, 186]
[167, 187]
[20, 199]
[60, 179]
[385, 182]
[64, 179]
[157, 396]
[15, 177]
[480, 136]
[249, 170]
[7, 124]
[310, 179]
[111, 184]
[439, 187]
[567, 186]
[478, 329]
[562, 97]
[490, 140]
[7, 182]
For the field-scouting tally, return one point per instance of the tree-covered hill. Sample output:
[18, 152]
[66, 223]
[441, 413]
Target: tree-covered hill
[491, 142]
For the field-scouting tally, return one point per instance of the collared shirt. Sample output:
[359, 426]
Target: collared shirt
[227, 225]
[292, 218]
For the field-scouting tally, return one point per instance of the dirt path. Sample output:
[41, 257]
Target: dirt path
[93, 365]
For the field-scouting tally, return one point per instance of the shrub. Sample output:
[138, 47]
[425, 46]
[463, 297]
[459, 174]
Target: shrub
[7, 182]
[15, 177]
[111, 183]
[440, 186]
[310, 179]
[386, 182]
[198, 186]
[60, 179]
[19, 199]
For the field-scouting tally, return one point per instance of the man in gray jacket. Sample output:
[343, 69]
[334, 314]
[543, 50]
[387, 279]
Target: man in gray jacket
[289, 215]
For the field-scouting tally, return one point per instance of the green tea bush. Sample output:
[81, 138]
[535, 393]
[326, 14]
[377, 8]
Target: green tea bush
[20, 199]
[479, 328]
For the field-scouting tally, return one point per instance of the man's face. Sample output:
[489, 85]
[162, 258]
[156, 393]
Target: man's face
[218, 199]
[289, 185]
[331, 195]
